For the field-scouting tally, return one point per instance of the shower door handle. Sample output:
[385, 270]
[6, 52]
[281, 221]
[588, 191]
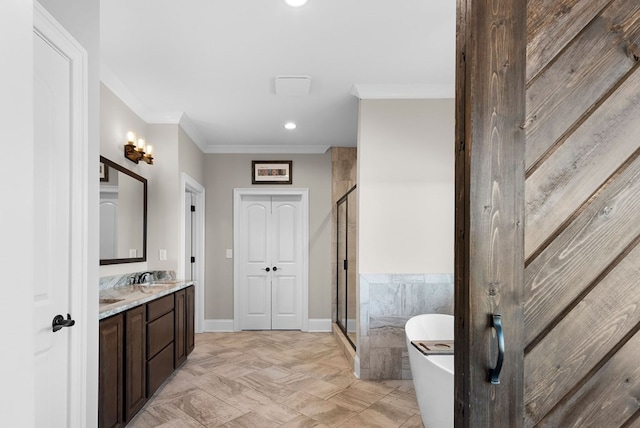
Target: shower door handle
[494, 373]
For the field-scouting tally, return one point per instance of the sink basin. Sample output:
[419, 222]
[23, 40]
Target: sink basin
[109, 301]
[153, 287]
[147, 286]
[162, 282]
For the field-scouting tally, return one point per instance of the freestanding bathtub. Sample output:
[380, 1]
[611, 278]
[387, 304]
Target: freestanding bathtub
[433, 374]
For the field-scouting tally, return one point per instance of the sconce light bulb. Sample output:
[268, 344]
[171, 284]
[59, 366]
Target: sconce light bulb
[149, 149]
[141, 144]
[131, 138]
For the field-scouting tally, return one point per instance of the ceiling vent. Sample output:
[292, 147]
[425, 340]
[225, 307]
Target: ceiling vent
[293, 86]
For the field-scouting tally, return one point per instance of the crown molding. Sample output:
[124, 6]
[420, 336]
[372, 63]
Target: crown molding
[111, 81]
[265, 149]
[366, 91]
[191, 130]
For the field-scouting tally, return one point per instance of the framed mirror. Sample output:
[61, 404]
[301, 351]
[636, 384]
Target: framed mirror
[123, 214]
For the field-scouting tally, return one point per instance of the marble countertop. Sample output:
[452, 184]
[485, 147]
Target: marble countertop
[119, 299]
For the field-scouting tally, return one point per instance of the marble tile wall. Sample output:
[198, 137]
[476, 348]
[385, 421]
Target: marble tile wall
[387, 301]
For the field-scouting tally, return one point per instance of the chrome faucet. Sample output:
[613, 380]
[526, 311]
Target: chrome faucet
[144, 277]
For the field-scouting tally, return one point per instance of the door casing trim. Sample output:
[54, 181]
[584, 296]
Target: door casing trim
[238, 194]
[188, 184]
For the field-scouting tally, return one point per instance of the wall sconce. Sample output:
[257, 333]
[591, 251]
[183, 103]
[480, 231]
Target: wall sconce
[137, 152]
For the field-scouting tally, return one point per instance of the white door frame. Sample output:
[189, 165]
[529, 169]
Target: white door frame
[51, 31]
[188, 184]
[238, 194]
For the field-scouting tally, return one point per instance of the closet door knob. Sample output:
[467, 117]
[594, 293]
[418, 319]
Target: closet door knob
[267, 269]
[275, 268]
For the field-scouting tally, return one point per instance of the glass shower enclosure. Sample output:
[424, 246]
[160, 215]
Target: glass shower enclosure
[346, 263]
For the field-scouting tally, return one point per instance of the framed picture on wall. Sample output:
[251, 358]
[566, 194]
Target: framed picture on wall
[271, 172]
[104, 172]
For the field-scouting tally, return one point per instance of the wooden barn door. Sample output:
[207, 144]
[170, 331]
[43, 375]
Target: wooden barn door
[489, 254]
[568, 283]
[582, 259]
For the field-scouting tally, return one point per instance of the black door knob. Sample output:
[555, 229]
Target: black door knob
[275, 268]
[59, 322]
[267, 269]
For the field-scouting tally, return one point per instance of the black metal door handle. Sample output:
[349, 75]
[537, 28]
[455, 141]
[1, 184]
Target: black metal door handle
[275, 268]
[59, 322]
[267, 269]
[494, 374]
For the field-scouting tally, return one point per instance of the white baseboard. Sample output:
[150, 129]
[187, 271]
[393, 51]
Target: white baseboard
[315, 326]
[218, 325]
[319, 326]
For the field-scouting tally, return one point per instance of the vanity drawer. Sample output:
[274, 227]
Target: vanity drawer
[159, 368]
[159, 307]
[159, 333]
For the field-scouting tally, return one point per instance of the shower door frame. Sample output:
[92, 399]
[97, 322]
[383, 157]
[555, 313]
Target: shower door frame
[344, 328]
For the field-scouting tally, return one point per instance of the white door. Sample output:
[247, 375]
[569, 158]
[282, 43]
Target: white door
[60, 225]
[271, 254]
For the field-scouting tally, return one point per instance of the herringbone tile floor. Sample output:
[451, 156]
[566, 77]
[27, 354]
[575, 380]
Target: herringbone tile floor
[266, 379]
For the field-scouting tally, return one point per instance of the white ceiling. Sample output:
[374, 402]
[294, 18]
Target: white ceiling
[211, 65]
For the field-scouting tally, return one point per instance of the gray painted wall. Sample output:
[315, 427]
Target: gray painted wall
[174, 153]
[223, 173]
[190, 157]
[405, 225]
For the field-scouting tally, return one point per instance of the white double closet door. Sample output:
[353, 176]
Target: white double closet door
[271, 254]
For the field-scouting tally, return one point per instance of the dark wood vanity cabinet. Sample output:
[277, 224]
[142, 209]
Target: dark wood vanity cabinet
[181, 328]
[160, 341]
[110, 378]
[122, 360]
[139, 349]
[190, 293]
[184, 323]
[135, 361]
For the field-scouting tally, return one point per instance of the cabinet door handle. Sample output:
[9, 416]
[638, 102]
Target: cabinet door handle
[59, 322]
[275, 268]
[267, 269]
[494, 373]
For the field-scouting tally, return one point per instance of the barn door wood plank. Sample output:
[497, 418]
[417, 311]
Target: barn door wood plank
[584, 73]
[607, 399]
[489, 244]
[582, 164]
[461, 280]
[582, 251]
[582, 339]
[551, 24]
[633, 422]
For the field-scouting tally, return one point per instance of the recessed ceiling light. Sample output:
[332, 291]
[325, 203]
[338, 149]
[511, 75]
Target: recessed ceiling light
[290, 126]
[294, 3]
